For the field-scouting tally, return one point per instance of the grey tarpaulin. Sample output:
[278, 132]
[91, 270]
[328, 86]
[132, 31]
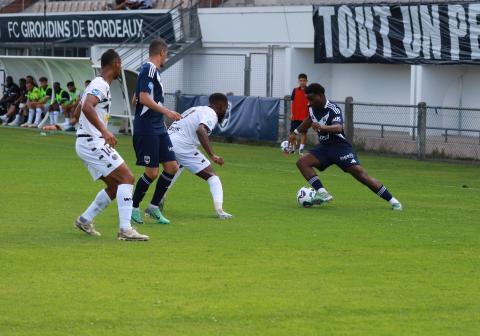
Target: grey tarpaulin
[247, 117]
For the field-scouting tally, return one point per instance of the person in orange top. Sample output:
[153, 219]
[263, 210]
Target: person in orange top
[299, 109]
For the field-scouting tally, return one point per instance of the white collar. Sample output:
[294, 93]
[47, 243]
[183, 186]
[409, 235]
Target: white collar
[326, 103]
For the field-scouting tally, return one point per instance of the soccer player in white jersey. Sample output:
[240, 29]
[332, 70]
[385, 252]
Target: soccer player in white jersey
[95, 146]
[192, 131]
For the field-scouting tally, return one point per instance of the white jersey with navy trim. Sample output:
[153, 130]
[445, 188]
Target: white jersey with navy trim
[100, 89]
[185, 130]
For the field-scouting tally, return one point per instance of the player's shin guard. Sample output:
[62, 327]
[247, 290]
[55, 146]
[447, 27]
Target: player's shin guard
[100, 202]
[161, 188]
[140, 189]
[124, 202]
[217, 191]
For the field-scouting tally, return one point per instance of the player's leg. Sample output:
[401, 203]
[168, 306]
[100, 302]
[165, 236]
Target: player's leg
[31, 114]
[208, 174]
[361, 175]
[146, 152]
[306, 164]
[303, 140]
[166, 157]
[38, 115]
[170, 168]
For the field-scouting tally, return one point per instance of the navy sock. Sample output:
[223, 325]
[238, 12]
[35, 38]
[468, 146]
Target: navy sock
[383, 193]
[140, 189]
[162, 186]
[315, 183]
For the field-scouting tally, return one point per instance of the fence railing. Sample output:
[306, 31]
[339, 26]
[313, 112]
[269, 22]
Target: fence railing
[419, 130]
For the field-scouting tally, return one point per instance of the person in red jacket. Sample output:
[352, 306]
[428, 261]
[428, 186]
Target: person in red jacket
[299, 109]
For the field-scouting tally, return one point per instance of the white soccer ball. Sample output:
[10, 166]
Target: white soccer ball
[285, 146]
[305, 197]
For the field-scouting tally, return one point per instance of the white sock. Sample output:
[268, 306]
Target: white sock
[31, 114]
[38, 115]
[55, 117]
[302, 146]
[17, 119]
[217, 192]
[101, 201]
[67, 121]
[50, 116]
[393, 200]
[124, 202]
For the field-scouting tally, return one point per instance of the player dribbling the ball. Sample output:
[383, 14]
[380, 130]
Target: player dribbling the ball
[326, 119]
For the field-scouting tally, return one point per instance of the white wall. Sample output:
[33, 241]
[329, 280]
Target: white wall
[283, 25]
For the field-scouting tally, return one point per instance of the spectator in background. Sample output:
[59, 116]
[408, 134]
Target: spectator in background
[132, 4]
[17, 107]
[43, 104]
[60, 97]
[11, 91]
[74, 97]
[299, 109]
[33, 97]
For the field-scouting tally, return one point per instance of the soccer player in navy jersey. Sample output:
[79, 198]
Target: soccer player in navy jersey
[150, 138]
[326, 119]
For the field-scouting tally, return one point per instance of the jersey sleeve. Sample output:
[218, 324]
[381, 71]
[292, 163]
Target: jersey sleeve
[335, 116]
[97, 90]
[209, 119]
[145, 82]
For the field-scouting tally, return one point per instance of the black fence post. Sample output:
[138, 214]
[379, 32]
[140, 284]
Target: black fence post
[349, 119]
[178, 95]
[421, 130]
[286, 116]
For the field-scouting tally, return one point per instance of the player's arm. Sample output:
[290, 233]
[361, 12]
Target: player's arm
[147, 101]
[335, 127]
[202, 133]
[303, 128]
[88, 109]
[76, 114]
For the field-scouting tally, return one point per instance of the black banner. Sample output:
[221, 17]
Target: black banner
[440, 33]
[89, 28]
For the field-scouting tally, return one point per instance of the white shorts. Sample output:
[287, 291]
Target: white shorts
[190, 157]
[99, 158]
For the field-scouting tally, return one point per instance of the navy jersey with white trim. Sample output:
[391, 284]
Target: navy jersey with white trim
[147, 121]
[329, 115]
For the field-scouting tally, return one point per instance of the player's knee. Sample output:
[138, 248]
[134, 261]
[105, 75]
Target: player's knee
[301, 163]
[171, 169]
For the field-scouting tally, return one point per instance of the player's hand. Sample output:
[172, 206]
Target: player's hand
[173, 115]
[109, 138]
[317, 126]
[218, 160]
[292, 139]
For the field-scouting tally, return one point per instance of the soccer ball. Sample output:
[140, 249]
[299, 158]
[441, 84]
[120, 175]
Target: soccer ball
[305, 197]
[286, 148]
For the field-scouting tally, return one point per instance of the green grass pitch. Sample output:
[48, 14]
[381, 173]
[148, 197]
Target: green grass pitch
[353, 267]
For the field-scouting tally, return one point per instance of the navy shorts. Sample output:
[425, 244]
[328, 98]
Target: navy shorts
[341, 154]
[151, 150]
[294, 125]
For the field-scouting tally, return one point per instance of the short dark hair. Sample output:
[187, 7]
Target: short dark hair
[108, 57]
[217, 97]
[43, 79]
[88, 81]
[302, 75]
[156, 46]
[315, 88]
[70, 84]
[56, 83]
